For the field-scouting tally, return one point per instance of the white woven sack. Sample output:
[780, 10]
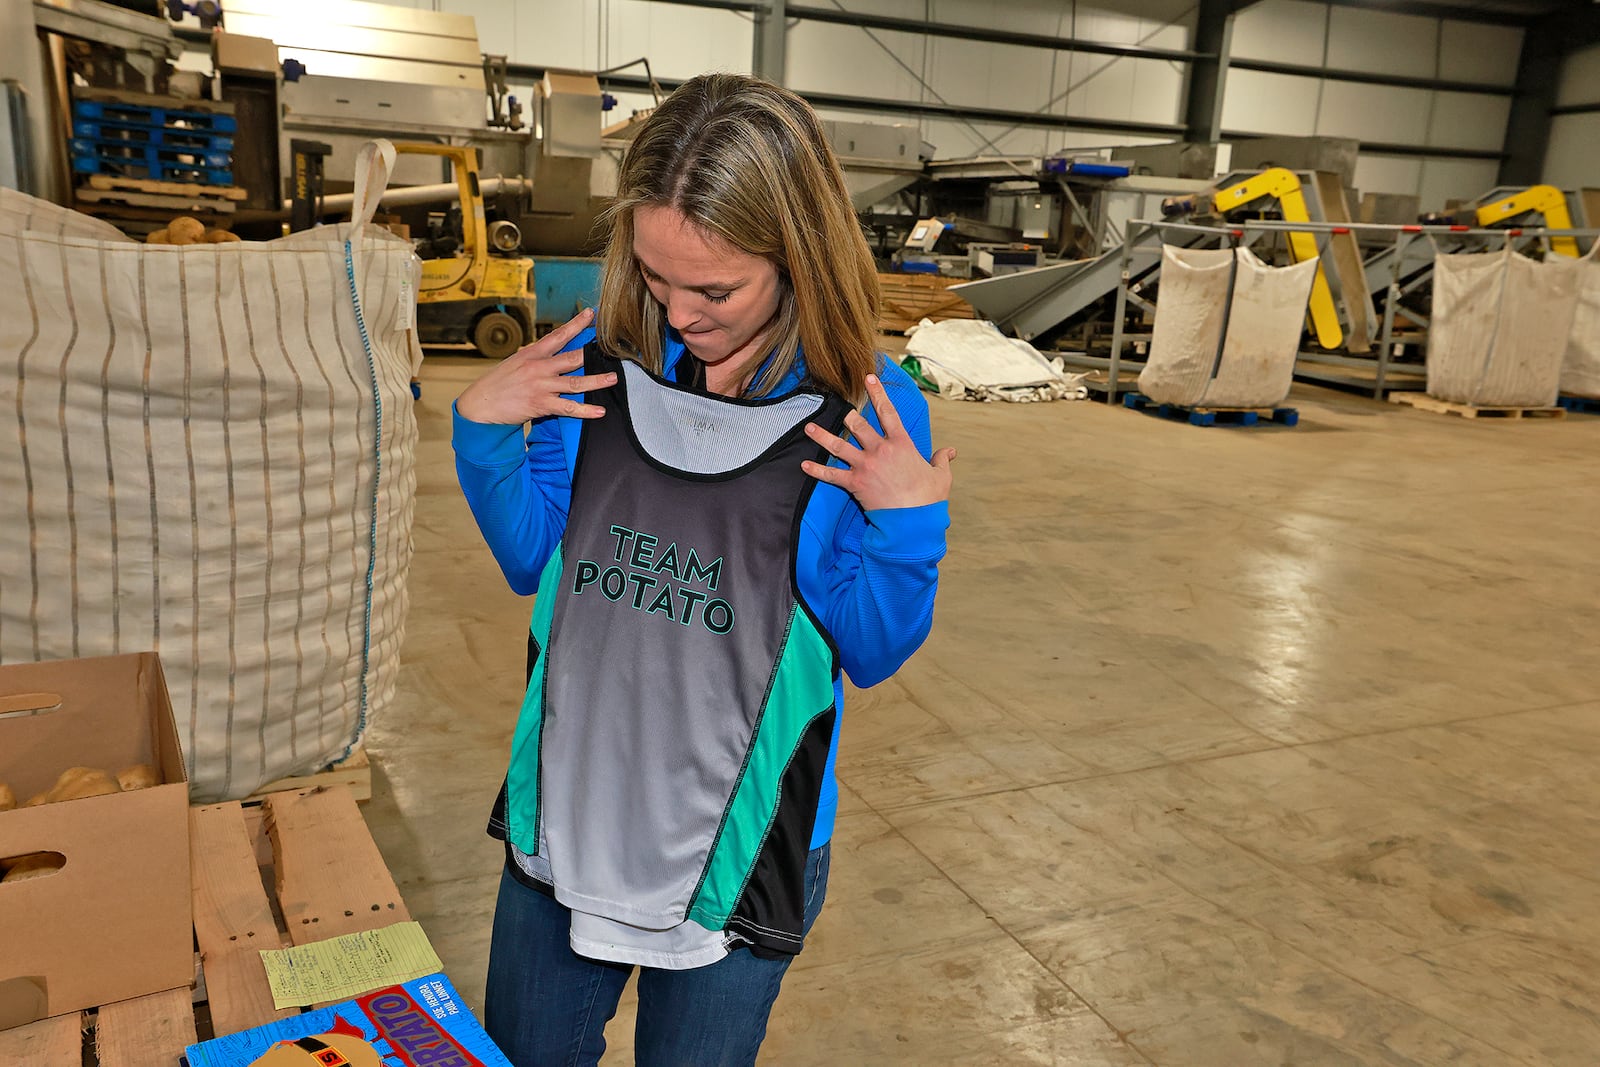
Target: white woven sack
[209, 451]
[1500, 328]
[1191, 307]
[1210, 349]
[1580, 370]
[1266, 318]
[969, 359]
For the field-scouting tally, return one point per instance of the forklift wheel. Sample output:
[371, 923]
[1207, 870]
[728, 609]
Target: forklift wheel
[497, 335]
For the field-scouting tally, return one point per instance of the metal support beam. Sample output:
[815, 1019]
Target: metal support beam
[1528, 125]
[1213, 36]
[769, 42]
[866, 21]
[527, 72]
[1365, 77]
[1385, 148]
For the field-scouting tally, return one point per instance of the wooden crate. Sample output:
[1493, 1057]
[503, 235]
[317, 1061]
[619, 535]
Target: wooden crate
[327, 878]
[907, 299]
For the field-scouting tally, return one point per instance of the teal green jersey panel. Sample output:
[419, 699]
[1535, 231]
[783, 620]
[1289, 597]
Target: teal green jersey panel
[802, 689]
[522, 780]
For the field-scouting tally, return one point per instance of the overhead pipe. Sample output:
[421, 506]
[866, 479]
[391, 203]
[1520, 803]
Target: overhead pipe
[410, 195]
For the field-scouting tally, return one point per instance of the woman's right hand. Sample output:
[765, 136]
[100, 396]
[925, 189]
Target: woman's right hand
[529, 384]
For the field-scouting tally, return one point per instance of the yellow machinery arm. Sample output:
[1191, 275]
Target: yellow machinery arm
[1548, 201]
[1284, 187]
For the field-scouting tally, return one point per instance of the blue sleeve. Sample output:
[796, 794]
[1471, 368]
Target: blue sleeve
[885, 567]
[519, 489]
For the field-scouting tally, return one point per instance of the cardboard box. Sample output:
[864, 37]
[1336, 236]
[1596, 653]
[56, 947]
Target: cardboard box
[114, 921]
[237, 53]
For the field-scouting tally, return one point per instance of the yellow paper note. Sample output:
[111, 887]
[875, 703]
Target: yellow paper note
[347, 966]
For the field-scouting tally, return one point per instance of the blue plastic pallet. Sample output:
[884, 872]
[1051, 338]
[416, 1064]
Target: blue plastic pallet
[1584, 405]
[1211, 416]
[139, 114]
[164, 136]
[156, 164]
[150, 154]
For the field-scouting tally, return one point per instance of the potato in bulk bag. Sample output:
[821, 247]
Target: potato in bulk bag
[208, 451]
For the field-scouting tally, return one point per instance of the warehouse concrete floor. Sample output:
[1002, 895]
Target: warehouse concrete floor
[1229, 747]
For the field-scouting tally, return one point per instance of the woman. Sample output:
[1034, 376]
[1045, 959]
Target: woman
[714, 534]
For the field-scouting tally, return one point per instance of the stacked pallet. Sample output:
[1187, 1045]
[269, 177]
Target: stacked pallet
[132, 135]
[141, 160]
[907, 299]
[299, 867]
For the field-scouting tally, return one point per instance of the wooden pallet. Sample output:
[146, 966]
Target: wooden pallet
[354, 772]
[326, 878]
[1424, 402]
[90, 199]
[160, 188]
[1211, 416]
[125, 98]
[907, 299]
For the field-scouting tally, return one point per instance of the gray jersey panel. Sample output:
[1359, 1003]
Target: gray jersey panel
[692, 432]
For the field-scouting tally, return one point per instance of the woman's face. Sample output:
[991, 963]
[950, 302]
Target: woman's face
[721, 299]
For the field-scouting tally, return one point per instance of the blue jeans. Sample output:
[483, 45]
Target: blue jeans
[546, 1006]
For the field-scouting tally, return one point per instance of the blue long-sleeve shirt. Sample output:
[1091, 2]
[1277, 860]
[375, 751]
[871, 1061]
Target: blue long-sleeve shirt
[870, 576]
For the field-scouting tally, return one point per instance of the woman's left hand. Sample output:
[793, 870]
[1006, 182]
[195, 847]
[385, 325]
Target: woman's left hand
[882, 470]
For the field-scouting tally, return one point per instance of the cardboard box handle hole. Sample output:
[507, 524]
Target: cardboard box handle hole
[29, 866]
[17, 705]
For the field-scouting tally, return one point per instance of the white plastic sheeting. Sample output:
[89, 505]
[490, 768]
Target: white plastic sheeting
[972, 360]
[1580, 370]
[1211, 349]
[209, 451]
[1500, 330]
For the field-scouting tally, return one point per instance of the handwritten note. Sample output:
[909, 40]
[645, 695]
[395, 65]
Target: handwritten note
[344, 967]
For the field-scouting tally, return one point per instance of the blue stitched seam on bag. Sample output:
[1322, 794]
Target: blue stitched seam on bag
[377, 476]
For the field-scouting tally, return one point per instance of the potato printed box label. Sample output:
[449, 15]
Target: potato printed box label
[421, 1023]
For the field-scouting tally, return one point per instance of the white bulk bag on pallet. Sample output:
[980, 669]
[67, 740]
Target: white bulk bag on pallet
[1580, 370]
[1210, 349]
[1500, 327]
[209, 451]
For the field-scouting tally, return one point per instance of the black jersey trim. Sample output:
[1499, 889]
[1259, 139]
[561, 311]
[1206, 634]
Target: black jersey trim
[770, 909]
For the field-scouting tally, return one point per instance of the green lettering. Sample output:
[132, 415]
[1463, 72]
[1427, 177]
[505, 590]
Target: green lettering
[641, 582]
[587, 573]
[662, 602]
[718, 616]
[643, 550]
[709, 575]
[690, 599]
[668, 561]
[621, 533]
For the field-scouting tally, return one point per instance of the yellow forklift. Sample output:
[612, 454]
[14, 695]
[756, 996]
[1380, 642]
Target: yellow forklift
[476, 289]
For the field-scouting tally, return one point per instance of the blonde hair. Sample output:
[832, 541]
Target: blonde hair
[748, 161]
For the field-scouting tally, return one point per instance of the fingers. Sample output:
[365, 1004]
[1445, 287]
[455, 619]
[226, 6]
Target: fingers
[824, 473]
[570, 329]
[557, 339]
[888, 417]
[585, 382]
[857, 424]
[562, 362]
[943, 458]
[576, 410]
[834, 445]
